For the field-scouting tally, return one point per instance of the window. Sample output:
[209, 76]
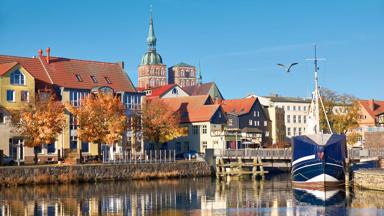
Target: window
[294, 108]
[51, 148]
[76, 96]
[299, 118]
[205, 145]
[84, 146]
[305, 119]
[93, 77]
[24, 96]
[230, 122]
[174, 91]
[289, 131]
[294, 131]
[299, 108]
[267, 133]
[258, 114]
[38, 149]
[204, 129]
[265, 123]
[17, 78]
[294, 118]
[250, 122]
[10, 95]
[283, 107]
[288, 108]
[305, 108]
[195, 129]
[254, 113]
[288, 119]
[78, 77]
[109, 81]
[299, 131]
[215, 142]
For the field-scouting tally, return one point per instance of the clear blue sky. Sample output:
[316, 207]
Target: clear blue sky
[237, 42]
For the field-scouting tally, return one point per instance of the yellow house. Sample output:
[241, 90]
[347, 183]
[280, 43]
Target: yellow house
[71, 80]
[17, 88]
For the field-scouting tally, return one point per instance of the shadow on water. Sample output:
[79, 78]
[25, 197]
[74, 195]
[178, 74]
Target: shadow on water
[199, 196]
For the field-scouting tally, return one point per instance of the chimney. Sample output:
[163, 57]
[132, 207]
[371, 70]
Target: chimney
[40, 52]
[121, 64]
[371, 104]
[48, 57]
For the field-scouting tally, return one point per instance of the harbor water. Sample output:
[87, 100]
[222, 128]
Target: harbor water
[200, 196]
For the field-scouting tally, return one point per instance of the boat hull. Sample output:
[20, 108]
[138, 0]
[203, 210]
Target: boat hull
[318, 161]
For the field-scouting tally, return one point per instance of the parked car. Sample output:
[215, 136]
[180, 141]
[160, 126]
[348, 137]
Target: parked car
[6, 160]
[190, 155]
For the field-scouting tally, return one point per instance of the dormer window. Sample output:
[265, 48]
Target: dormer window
[93, 77]
[78, 77]
[108, 80]
[174, 91]
[17, 78]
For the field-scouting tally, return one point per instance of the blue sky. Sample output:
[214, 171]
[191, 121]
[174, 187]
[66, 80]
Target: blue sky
[237, 42]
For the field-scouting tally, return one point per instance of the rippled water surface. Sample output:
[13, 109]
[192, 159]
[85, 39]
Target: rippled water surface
[199, 196]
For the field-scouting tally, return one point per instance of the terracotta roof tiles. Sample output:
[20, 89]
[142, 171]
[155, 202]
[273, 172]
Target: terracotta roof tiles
[5, 67]
[238, 106]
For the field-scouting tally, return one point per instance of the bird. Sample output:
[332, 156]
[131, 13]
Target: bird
[288, 69]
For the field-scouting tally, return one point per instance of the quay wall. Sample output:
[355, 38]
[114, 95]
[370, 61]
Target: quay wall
[52, 174]
[369, 179]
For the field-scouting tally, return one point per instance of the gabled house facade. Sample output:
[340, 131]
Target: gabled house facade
[248, 125]
[205, 122]
[210, 89]
[167, 91]
[71, 80]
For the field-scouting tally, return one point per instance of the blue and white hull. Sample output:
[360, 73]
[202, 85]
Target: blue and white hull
[318, 161]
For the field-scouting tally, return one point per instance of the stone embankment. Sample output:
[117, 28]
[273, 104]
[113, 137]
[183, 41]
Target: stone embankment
[369, 179]
[51, 174]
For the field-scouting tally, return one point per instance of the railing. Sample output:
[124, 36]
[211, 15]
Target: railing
[284, 154]
[368, 153]
[150, 156]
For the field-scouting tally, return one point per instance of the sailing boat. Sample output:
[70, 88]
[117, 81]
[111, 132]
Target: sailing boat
[318, 159]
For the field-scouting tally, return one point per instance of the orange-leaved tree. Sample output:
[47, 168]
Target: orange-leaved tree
[41, 121]
[100, 118]
[160, 124]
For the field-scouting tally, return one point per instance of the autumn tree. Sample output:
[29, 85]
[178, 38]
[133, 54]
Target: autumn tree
[160, 124]
[100, 118]
[342, 111]
[40, 121]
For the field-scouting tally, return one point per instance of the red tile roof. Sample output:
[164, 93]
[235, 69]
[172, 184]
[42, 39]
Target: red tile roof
[238, 106]
[192, 108]
[161, 90]
[373, 107]
[32, 65]
[200, 89]
[62, 72]
[5, 67]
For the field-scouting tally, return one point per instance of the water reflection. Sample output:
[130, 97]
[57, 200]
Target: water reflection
[200, 196]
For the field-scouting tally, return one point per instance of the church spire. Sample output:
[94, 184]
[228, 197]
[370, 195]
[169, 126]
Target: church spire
[199, 77]
[151, 39]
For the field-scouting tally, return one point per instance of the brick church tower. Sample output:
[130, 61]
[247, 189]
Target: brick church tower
[152, 71]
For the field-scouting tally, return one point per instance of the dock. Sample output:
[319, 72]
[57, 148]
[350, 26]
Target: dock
[227, 167]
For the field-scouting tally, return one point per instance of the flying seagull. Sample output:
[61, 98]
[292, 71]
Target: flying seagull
[289, 68]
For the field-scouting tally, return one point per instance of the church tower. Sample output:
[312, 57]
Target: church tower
[152, 71]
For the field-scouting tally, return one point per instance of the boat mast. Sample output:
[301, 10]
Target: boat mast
[314, 114]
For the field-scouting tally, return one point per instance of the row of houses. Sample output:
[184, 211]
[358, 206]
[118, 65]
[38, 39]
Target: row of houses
[71, 79]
